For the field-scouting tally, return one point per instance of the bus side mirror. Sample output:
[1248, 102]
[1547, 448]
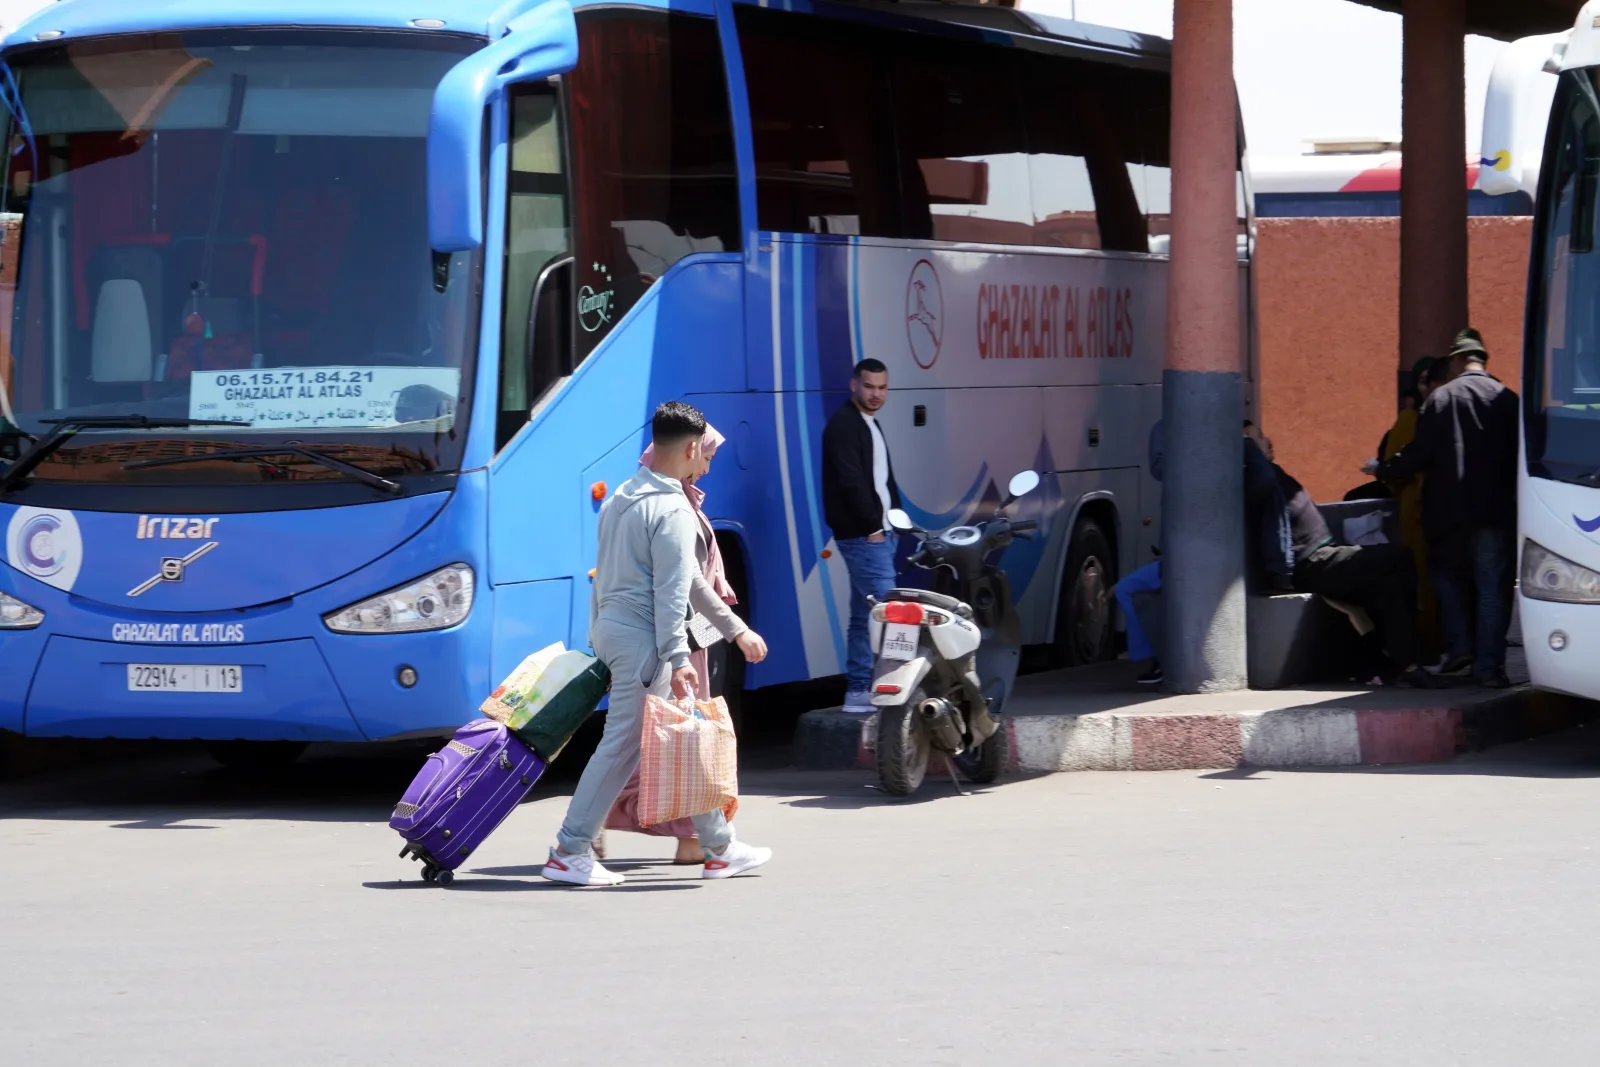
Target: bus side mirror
[542, 43]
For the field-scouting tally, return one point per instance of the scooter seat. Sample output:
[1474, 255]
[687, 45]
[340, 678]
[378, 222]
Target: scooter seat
[932, 600]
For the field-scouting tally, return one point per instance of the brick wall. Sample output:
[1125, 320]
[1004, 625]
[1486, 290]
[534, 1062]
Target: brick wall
[1329, 292]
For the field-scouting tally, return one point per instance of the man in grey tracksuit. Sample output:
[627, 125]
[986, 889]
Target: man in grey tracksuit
[638, 612]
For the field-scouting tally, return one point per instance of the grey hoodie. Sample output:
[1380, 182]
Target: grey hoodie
[646, 562]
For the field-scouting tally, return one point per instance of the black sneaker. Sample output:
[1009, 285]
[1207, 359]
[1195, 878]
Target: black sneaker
[1451, 665]
[1420, 679]
[1152, 676]
[1497, 680]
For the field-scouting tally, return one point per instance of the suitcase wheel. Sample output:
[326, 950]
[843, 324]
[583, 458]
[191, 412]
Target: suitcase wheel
[429, 873]
[445, 877]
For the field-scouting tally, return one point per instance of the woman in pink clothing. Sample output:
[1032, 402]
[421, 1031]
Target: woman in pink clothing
[710, 597]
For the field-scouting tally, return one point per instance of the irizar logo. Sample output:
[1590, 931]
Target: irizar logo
[175, 527]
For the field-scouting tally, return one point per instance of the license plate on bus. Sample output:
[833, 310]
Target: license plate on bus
[184, 678]
[900, 641]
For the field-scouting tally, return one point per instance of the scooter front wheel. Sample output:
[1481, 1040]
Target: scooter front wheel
[902, 748]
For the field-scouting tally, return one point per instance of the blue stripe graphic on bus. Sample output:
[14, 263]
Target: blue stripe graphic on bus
[1587, 525]
[806, 418]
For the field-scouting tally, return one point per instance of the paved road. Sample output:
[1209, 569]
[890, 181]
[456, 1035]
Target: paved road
[165, 913]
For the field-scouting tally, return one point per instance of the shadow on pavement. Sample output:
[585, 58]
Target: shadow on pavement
[514, 885]
[332, 783]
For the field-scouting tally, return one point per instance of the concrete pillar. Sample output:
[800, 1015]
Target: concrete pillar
[1433, 184]
[1202, 534]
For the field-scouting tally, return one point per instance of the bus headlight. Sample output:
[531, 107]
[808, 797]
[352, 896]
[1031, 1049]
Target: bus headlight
[1547, 576]
[18, 615]
[440, 600]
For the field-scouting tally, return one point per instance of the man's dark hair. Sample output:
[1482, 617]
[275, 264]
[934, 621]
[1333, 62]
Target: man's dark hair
[676, 421]
[870, 366]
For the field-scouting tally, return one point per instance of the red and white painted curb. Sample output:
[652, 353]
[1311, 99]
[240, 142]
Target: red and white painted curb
[1292, 737]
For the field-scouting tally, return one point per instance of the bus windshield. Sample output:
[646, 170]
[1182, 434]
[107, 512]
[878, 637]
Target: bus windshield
[230, 226]
[1562, 376]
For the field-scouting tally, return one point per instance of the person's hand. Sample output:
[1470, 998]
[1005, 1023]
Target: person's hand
[753, 647]
[685, 680]
[876, 538]
[1370, 467]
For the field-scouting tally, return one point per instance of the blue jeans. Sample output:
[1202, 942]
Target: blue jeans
[1146, 579]
[1472, 568]
[871, 567]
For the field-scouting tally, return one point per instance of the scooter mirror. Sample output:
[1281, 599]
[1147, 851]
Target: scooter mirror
[1023, 484]
[899, 520]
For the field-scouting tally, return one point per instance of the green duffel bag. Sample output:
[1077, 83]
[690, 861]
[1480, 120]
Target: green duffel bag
[548, 697]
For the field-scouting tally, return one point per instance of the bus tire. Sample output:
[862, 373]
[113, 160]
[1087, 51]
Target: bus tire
[1084, 632]
[255, 755]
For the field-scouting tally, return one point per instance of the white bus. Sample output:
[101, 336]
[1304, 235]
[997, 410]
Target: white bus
[1559, 476]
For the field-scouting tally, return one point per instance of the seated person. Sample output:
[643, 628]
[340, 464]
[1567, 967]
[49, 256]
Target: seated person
[1380, 579]
[1146, 579]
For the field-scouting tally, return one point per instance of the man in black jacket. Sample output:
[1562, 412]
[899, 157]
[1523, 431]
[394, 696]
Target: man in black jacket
[858, 492]
[1381, 579]
[1466, 448]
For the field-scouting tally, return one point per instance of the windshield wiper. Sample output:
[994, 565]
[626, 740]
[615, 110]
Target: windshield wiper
[61, 429]
[349, 470]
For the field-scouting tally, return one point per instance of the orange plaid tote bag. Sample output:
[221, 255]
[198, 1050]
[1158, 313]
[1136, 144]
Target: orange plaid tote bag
[690, 761]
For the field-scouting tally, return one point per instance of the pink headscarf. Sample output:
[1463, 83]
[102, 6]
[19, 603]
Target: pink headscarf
[715, 573]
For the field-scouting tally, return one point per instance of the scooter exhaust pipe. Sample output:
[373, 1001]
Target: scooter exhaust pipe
[939, 718]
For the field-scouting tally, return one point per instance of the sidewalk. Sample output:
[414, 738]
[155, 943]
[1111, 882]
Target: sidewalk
[1097, 719]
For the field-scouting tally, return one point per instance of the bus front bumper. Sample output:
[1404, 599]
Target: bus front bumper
[1562, 643]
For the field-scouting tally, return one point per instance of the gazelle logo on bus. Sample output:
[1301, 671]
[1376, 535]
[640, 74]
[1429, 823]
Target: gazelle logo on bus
[45, 544]
[594, 308]
[924, 314]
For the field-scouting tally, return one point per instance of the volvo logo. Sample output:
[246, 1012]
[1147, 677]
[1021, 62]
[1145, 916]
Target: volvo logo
[172, 569]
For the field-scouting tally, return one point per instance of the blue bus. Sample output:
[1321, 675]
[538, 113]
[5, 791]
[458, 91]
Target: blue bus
[355, 312]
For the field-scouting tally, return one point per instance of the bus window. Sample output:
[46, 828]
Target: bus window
[1151, 98]
[536, 236]
[961, 146]
[652, 157]
[824, 155]
[1081, 143]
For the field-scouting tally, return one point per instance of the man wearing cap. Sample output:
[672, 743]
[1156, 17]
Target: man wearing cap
[1466, 449]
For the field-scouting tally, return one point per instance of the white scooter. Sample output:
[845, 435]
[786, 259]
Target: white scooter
[947, 663]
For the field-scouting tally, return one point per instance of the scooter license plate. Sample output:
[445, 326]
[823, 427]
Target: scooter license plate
[900, 641]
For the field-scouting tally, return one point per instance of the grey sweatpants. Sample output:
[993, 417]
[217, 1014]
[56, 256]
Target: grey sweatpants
[636, 672]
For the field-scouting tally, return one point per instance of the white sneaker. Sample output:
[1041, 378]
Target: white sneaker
[578, 869]
[858, 703]
[737, 858]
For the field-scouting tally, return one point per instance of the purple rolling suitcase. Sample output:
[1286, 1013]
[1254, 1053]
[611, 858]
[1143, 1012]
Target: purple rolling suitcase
[462, 793]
